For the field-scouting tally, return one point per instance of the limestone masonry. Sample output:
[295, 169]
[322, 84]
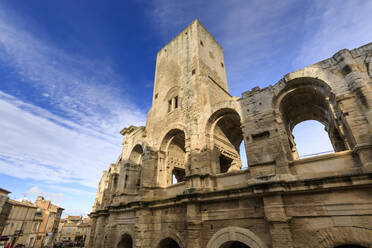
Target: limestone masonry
[178, 182]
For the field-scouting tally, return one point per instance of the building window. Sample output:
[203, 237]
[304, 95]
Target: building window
[169, 105]
[176, 102]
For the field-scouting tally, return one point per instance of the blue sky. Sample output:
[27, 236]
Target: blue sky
[74, 73]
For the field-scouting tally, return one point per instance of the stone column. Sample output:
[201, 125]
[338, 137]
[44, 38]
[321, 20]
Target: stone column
[359, 113]
[193, 225]
[281, 235]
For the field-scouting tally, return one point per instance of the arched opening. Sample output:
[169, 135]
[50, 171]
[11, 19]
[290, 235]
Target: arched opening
[173, 146]
[228, 139]
[132, 174]
[311, 145]
[234, 244]
[310, 99]
[135, 156]
[168, 243]
[125, 242]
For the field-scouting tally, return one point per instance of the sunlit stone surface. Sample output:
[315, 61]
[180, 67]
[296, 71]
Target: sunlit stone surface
[178, 181]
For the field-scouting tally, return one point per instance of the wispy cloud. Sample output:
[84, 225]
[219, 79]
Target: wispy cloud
[334, 25]
[43, 146]
[84, 90]
[78, 136]
[37, 191]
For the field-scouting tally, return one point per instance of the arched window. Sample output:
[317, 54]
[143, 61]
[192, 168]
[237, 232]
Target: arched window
[132, 172]
[125, 242]
[135, 156]
[168, 243]
[227, 137]
[311, 145]
[310, 99]
[173, 146]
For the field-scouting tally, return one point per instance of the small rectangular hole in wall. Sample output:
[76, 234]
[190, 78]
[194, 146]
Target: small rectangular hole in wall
[156, 96]
[222, 65]
[125, 182]
[261, 135]
[201, 43]
[169, 105]
[176, 102]
[193, 72]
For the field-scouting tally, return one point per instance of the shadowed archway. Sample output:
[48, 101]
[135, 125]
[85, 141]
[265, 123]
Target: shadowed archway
[234, 244]
[168, 243]
[125, 242]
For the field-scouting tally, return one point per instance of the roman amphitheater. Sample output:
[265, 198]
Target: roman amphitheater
[179, 183]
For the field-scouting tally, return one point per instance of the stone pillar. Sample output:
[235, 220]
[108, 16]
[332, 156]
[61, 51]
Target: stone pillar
[143, 230]
[281, 235]
[100, 235]
[359, 113]
[193, 225]
[149, 164]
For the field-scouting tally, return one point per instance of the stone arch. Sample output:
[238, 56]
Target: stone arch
[229, 234]
[306, 98]
[168, 238]
[340, 237]
[130, 174]
[135, 155]
[173, 150]
[233, 105]
[165, 134]
[173, 98]
[126, 241]
[125, 232]
[225, 135]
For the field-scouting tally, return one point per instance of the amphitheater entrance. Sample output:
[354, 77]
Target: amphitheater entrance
[125, 242]
[168, 243]
[234, 244]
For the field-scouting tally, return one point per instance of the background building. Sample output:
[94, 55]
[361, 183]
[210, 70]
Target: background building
[179, 183]
[31, 224]
[22, 224]
[74, 229]
[51, 215]
[5, 208]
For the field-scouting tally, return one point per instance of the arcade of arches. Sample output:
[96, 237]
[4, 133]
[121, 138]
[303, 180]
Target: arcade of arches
[179, 182]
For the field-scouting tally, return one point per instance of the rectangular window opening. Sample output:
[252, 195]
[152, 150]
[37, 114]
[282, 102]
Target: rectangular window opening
[169, 105]
[125, 182]
[262, 135]
[176, 102]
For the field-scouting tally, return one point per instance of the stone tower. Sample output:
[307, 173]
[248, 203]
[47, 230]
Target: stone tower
[179, 183]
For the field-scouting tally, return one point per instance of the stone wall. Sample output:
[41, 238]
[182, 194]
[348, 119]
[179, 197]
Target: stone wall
[193, 132]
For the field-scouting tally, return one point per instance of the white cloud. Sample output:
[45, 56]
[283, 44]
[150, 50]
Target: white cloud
[42, 146]
[36, 191]
[74, 212]
[76, 145]
[332, 26]
[84, 90]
